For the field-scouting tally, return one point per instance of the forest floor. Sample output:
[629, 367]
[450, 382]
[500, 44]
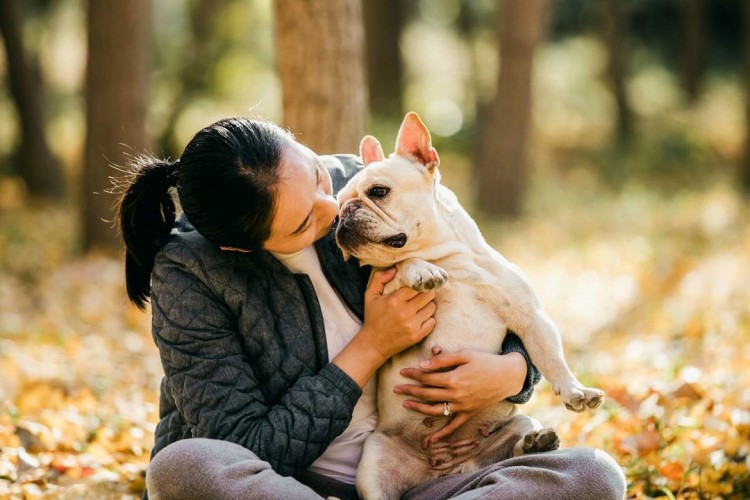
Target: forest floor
[651, 291]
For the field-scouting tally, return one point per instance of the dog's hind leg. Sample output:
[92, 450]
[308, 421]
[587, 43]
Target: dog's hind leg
[388, 468]
[537, 441]
[507, 440]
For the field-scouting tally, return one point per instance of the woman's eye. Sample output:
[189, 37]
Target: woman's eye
[377, 192]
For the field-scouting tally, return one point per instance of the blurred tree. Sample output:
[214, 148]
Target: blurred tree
[119, 34]
[320, 58]
[694, 40]
[197, 60]
[384, 21]
[745, 161]
[615, 32]
[500, 158]
[39, 168]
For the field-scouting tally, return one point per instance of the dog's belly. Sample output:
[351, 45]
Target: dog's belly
[463, 321]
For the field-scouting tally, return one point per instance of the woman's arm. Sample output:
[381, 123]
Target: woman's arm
[215, 389]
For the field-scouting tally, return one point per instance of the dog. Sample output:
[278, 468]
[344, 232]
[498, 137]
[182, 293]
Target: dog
[395, 212]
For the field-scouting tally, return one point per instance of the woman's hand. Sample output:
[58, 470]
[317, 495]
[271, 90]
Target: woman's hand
[468, 380]
[392, 323]
[396, 320]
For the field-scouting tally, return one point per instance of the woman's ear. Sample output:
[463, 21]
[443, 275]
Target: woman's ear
[234, 249]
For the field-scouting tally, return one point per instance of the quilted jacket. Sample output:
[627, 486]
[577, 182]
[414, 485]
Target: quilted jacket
[243, 346]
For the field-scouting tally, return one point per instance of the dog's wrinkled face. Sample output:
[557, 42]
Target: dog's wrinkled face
[388, 209]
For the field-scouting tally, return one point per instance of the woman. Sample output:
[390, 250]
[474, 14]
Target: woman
[269, 339]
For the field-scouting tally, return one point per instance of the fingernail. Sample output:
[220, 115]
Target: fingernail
[424, 364]
[397, 390]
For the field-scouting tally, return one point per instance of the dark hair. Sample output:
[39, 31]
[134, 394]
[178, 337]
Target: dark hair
[226, 182]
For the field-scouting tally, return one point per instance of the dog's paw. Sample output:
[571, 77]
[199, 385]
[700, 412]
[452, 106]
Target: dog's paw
[420, 275]
[583, 398]
[540, 440]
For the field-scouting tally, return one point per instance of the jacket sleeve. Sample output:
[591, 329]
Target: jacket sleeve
[513, 344]
[213, 385]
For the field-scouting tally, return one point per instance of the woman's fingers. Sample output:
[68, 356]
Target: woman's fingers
[457, 421]
[446, 360]
[435, 379]
[378, 280]
[421, 299]
[431, 409]
[424, 393]
[425, 312]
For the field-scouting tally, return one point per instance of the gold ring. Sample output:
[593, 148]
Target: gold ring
[447, 409]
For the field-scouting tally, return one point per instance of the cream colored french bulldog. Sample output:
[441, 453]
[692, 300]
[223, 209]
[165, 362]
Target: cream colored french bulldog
[396, 212]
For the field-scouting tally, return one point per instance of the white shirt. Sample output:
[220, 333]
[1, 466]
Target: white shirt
[342, 456]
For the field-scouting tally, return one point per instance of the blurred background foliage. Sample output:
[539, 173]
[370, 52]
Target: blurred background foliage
[601, 145]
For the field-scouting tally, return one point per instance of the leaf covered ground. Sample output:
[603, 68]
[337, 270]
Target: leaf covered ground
[651, 291]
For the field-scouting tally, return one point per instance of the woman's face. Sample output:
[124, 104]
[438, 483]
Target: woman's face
[305, 206]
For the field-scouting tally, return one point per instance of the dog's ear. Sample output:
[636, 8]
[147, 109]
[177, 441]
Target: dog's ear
[370, 150]
[414, 142]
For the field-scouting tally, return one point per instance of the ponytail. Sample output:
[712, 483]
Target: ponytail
[145, 214]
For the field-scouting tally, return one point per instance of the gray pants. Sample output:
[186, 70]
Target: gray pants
[211, 469]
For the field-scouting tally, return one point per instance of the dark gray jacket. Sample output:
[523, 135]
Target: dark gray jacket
[243, 346]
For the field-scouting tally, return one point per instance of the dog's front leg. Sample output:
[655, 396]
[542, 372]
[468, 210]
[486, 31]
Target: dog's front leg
[523, 313]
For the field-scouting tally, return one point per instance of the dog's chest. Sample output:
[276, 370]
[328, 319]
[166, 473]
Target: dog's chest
[466, 320]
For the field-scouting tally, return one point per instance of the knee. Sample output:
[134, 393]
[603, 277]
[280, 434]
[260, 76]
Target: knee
[165, 474]
[190, 468]
[599, 472]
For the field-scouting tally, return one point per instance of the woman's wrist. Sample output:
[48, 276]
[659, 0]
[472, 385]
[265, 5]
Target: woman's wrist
[513, 372]
[359, 359]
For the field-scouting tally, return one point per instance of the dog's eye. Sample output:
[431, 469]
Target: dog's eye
[377, 191]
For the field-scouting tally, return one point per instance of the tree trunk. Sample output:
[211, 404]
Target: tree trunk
[503, 129]
[40, 170]
[744, 173]
[383, 21]
[320, 54]
[615, 33]
[694, 38]
[116, 93]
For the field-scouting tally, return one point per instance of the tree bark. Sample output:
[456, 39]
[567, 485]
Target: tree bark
[40, 169]
[320, 54]
[500, 159]
[116, 105]
[615, 38]
[694, 38]
[383, 21]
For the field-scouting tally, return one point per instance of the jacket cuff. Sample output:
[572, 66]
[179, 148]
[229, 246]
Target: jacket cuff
[342, 382]
[513, 344]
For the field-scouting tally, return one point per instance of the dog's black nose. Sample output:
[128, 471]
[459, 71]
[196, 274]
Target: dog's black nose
[396, 241]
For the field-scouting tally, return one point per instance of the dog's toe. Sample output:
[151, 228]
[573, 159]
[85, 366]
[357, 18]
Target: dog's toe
[541, 440]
